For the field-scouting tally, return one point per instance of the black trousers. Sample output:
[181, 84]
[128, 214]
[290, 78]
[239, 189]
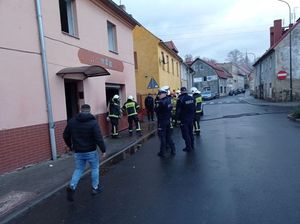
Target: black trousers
[187, 134]
[164, 133]
[150, 114]
[114, 126]
[131, 119]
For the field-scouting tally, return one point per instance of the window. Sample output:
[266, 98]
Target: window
[221, 89]
[172, 66]
[68, 17]
[112, 37]
[168, 64]
[135, 60]
[162, 61]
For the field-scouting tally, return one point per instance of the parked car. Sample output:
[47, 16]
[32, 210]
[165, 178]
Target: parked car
[207, 95]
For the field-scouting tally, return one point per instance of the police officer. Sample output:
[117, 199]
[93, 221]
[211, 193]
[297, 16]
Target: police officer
[185, 112]
[163, 110]
[198, 109]
[131, 108]
[114, 114]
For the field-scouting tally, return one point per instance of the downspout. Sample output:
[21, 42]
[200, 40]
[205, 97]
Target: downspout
[46, 80]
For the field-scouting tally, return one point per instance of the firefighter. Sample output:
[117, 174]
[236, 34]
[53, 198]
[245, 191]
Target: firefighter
[163, 110]
[185, 112]
[174, 102]
[131, 108]
[114, 114]
[198, 109]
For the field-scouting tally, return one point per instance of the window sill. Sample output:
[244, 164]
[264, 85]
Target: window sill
[70, 35]
[114, 52]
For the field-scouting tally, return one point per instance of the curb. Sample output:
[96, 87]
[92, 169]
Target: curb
[293, 118]
[112, 160]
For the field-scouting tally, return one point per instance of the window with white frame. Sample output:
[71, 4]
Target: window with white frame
[68, 17]
[112, 37]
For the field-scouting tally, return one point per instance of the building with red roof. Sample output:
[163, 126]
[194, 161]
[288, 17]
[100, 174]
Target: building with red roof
[269, 82]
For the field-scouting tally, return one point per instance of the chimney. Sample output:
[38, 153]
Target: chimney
[278, 31]
[123, 7]
[271, 36]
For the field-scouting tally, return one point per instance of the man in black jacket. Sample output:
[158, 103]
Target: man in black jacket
[83, 135]
[185, 112]
[149, 104]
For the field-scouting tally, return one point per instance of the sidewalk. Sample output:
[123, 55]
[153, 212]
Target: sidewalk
[22, 189]
[251, 100]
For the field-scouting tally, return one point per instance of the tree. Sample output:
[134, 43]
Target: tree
[188, 58]
[213, 61]
[236, 57]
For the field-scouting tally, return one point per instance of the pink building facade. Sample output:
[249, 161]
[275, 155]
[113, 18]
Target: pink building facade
[77, 33]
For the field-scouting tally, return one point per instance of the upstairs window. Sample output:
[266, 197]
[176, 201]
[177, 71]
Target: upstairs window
[112, 37]
[168, 64]
[68, 17]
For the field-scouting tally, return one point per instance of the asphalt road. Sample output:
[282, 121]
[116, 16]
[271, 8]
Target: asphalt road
[245, 169]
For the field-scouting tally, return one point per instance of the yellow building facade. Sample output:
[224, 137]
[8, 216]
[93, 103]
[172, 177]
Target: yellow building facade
[154, 59]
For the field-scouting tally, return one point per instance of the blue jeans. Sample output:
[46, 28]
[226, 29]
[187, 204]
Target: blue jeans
[80, 161]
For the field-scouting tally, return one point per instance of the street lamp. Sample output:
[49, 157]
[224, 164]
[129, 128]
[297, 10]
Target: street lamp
[290, 35]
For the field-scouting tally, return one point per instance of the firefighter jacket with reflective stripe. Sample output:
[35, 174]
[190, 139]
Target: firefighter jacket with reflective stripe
[114, 109]
[131, 107]
[198, 102]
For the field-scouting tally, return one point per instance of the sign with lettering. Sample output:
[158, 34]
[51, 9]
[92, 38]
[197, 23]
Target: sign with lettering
[92, 58]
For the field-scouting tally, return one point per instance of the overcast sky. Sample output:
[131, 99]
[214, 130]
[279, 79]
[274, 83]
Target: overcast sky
[212, 28]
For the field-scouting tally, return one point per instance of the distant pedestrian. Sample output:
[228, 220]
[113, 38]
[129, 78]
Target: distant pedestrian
[83, 135]
[132, 108]
[149, 104]
[163, 109]
[185, 112]
[114, 114]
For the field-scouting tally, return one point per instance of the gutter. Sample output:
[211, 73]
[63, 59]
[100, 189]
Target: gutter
[46, 80]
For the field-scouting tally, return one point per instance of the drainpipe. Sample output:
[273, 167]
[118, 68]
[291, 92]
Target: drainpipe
[46, 80]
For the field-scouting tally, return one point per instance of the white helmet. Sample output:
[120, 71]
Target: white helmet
[198, 92]
[193, 90]
[116, 97]
[130, 97]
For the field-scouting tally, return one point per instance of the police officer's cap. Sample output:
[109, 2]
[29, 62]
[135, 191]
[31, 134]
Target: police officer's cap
[130, 97]
[162, 90]
[183, 89]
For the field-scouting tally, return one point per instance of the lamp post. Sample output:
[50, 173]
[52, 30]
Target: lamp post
[290, 37]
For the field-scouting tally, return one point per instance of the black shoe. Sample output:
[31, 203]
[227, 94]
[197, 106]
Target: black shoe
[130, 133]
[160, 154]
[70, 194]
[139, 133]
[186, 150]
[97, 191]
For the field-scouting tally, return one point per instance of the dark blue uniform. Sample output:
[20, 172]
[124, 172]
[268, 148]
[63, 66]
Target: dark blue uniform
[163, 110]
[185, 112]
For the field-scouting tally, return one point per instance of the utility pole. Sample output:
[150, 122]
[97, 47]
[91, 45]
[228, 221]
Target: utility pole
[290, 44]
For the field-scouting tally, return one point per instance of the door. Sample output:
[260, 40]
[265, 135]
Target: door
[71, 92]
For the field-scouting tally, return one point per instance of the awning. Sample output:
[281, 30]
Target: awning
[83, 72]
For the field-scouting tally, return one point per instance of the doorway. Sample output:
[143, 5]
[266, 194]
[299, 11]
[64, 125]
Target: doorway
[72, 96]
[112, 90]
